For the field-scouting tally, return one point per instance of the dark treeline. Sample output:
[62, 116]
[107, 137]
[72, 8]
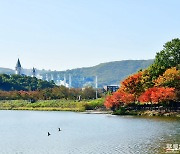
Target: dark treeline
[25, 83]
[58, 92]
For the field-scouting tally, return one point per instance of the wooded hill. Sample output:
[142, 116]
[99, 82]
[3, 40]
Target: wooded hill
[26, 83]
[108, 73]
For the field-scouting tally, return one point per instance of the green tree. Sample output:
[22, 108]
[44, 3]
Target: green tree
[88, 93]
[0, 80]
[26, 83]
[166, 58]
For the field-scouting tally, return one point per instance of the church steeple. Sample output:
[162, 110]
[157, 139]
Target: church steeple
[18, 67]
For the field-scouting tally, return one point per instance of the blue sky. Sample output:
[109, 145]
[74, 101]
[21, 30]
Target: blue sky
[66, 34]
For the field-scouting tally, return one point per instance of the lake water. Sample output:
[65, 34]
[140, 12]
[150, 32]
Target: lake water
[25, 132]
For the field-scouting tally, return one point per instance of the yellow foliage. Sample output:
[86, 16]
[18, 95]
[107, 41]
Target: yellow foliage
[170, 78]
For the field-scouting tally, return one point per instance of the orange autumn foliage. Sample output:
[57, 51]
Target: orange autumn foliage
[156, 95]
[118, 98]
[170, 78]
[109, 102]
[133, 84]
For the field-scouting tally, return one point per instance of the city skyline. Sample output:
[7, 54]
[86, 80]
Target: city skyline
[61, 35]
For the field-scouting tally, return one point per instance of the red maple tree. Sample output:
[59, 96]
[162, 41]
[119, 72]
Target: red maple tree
[118, 99]
[133, 84]
[156, 95]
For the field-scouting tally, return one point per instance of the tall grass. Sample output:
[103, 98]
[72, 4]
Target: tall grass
[95, 104]
[51, 105]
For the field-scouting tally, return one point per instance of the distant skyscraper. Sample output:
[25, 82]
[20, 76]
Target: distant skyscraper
[47, 78]
[18, 67]
[64, 80]
[33, 72]
[70, 81]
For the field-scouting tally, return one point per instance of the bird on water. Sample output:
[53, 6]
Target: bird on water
[59, 129]
[48, 134]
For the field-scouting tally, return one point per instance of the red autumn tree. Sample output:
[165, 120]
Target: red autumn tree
[164, 95]
[157, 95]
[126, 98]
[118, 99]
[109, 102]
[133, 85]
[146, 96]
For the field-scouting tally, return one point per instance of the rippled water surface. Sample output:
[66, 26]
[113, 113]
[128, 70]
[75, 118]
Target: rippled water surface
[25, 132]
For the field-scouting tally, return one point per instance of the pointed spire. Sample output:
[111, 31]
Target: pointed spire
[18, 64]
[18, 67]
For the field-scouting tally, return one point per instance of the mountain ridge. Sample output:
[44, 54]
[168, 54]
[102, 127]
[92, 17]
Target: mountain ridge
[108, 73]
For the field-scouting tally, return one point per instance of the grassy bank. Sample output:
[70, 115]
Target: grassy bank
[52, 105]
[93, 106]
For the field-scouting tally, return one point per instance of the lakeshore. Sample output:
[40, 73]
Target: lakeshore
[85, 106]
